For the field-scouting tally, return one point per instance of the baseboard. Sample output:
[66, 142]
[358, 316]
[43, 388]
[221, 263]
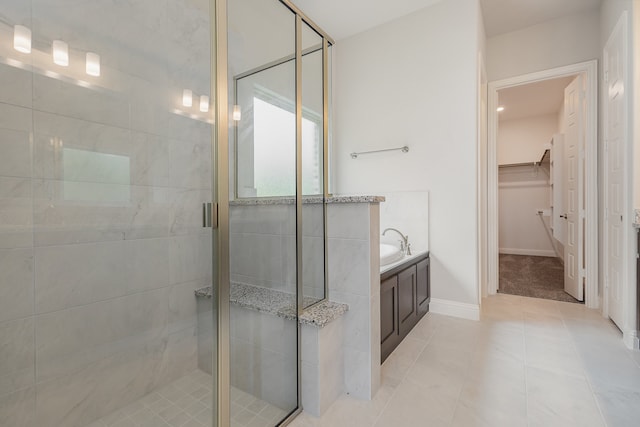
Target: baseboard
[531, 252]
[455, 309]
[631, 340]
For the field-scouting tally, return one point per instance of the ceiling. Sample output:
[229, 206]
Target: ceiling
[534, 99]
[504, 16]
[344, 18]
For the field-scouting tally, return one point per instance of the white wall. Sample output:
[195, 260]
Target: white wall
[524, 190]
[522, 231]
[407, 211]
[554, 43]
[414, 81]
[524, 140]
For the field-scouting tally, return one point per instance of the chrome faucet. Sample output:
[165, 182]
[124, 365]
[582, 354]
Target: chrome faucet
[405, 246]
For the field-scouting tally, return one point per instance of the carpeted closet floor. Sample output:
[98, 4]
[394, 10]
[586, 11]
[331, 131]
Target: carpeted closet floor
[533, 276]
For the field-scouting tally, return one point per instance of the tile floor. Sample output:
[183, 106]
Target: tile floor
[187, 403]
[528, 362]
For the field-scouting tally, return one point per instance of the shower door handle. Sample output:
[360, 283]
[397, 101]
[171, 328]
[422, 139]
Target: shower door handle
[210, 215]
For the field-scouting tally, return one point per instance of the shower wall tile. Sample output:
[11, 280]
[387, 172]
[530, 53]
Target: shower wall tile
[141, 32]
[186, 211]
[349, 262]
[101, 271]
[190, 258]
[152, 162]
[313, 265]
[265, 373]
[57, 96]
[354, 279]
[312, 220]
[348, 221]
[15, 140]
[205, 334]
[322, 366]
[178, 127]
[19, 408]
[357, 319]
[19, 91]
[61, 219]
[16, 283]
[190, 163]
[102, 387]
[188, 41]
[17, 355]
[53, 133]
[147, 155]
[262, 219]
[265, 330]
[16, 211]
[69, 341]
[182, 306]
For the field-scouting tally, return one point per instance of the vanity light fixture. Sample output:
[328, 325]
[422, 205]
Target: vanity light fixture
[22, 39]
[500, 109]
[61, 53]
[187, 98]
[93, 64]
[237, 113]
[204, 103]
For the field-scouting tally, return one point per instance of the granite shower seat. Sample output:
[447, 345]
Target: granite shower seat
[281, 304]
[322, 329]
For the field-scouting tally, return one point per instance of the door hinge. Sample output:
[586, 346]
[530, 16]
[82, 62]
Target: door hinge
[210, 215]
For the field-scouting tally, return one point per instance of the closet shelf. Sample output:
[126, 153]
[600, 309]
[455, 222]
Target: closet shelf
[545, 159]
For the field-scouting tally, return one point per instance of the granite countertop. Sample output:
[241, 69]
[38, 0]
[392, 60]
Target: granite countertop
[281, 304]
[306, 200]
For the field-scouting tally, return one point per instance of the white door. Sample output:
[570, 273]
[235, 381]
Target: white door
[573, 98]
[614, 135]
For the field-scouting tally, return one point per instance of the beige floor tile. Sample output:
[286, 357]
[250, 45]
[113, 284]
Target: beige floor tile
[560, 400]
[412, 405]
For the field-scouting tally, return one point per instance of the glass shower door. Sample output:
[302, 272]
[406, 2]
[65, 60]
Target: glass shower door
[262, 217]
[106, 120]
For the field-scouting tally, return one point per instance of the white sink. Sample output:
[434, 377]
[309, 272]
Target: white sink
[389, 254]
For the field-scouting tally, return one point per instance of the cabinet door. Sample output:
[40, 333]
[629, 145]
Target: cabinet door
[407, 300]
[389, 337]
[423, 285]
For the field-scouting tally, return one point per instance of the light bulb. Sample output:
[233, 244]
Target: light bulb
[187, 98]
[60, 53]
[22, 39]
[93, 64]
[204, 103]
[237, 113]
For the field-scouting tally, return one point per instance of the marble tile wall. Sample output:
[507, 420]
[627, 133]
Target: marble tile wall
[267, 233]
[98, 261]
[322, 366]
[354, 279]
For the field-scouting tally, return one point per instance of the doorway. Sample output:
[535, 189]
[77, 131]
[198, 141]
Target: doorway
[536, 122]
[521, 165]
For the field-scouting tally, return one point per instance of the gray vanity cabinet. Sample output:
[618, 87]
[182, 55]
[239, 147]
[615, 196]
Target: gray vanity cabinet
[404, 298]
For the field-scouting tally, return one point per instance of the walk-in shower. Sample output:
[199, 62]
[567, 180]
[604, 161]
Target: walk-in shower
[118, 304]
